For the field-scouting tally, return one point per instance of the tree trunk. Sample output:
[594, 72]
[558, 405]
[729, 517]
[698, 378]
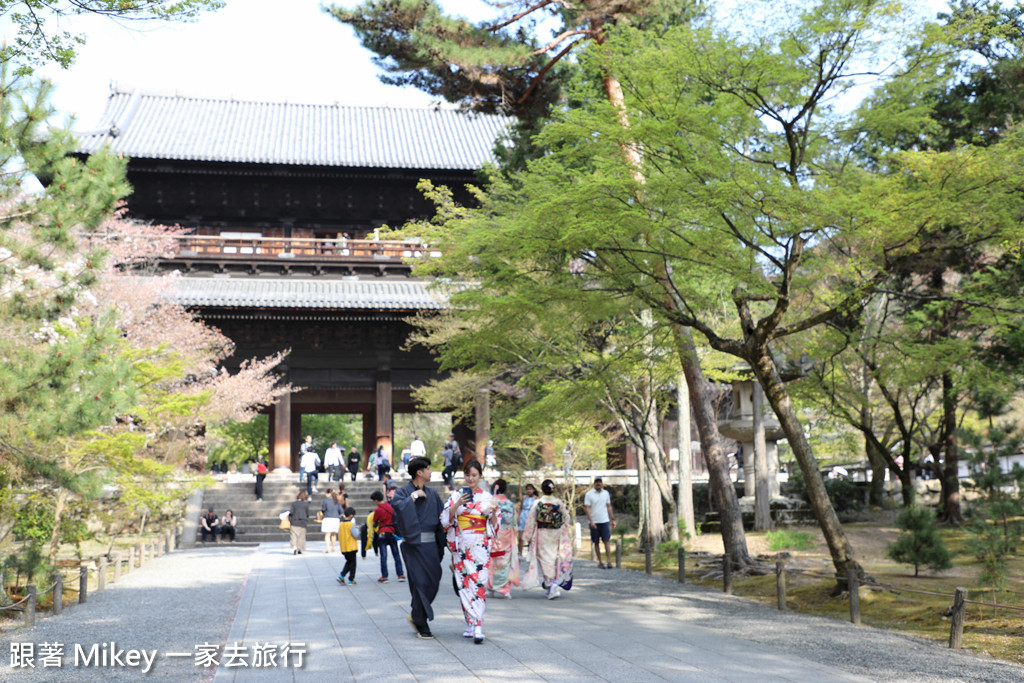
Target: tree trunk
[762, 498]
[843, 557]
[734, 538]
[684, 492]
[58, 516]
[878, 470]
[951, 513]
[643, 485]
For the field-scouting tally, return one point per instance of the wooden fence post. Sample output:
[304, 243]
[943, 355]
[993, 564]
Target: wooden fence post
[170, 540]
[30, 605]
[117, 566]
[727, 574]
[131, 560]
[682, 564]
[101, 573]
[956, 628]
[58, 593]
[83, 584]
[853, 588]
[618, 553]
[647, 558]
[142, 555]
[780, 584]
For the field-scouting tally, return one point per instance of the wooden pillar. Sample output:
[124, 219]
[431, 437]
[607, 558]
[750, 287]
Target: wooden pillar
[281, 419]
[369, 436]
[384, 419]
[483, 422]
[297, 437]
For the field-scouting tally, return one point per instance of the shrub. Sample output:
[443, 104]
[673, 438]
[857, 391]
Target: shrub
[920, 544]
[787, 539]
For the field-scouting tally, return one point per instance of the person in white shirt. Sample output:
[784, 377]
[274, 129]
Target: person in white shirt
[598, 503]
[309, 464]
[333, 462]
[417, 448]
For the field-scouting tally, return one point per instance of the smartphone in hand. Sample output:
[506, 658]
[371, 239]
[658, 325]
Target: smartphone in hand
[466, 491]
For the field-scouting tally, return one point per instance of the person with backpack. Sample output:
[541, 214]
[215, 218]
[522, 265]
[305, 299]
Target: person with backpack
[348, 544]
[549, 543]
[383, 462]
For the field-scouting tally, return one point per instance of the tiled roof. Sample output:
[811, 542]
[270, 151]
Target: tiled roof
[308, 294]
[140, 125]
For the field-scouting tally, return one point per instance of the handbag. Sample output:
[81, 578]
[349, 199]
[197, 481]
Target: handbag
[285, 524]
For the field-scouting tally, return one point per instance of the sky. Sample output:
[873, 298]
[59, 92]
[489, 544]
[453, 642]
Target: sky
[251, 49]
[270, 50]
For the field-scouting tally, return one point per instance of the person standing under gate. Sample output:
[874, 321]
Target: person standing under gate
[333, 463]
[310, 465]
[383, 462]
[418, 519]
[354, 458]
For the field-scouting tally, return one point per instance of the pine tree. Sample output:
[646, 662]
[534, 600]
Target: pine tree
[920, 544]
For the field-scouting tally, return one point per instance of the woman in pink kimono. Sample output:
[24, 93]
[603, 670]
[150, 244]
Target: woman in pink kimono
[550, 544]
[471, 518]
[504, 553]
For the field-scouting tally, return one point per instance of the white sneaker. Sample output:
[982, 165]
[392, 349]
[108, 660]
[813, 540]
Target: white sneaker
[478, 634]
[554, 592]
[468, 633]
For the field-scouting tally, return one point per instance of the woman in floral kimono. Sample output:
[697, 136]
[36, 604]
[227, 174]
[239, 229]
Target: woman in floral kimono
[504, 554]
[550, 544]
[471, 518]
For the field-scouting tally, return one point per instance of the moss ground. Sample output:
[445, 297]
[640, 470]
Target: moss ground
[988, 631]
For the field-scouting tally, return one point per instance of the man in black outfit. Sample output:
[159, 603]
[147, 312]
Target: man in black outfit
[418, 520]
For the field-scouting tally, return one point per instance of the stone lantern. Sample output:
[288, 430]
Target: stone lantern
[741, 428]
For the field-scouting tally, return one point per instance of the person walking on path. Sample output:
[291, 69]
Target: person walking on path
[489, 459]
[261, 474]
[418, 519]
[598, 504]
[354, 458]
[333, 509]
[470, 520]
[383, 462]
[298, 515]
[550, 544]
[348, 544]
[384, 526]
[529, 498]
[309, 463]
[504, 555]
[333, 462]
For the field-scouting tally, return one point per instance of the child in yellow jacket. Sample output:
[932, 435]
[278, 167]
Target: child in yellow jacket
[349, 546]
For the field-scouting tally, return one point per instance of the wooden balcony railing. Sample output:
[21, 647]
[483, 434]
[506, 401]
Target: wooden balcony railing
[275, 248]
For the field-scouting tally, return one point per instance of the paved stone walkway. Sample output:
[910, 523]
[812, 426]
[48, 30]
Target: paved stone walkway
[361, 633]
[248, 603]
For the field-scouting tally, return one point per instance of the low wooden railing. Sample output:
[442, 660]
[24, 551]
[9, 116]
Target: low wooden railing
[296, 247]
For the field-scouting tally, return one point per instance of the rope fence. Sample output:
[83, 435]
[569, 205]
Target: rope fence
[97, 566]
[959, 598]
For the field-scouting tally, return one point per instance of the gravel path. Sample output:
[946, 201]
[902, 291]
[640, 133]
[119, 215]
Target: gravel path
[173, 603]
[189, 597]
[859, 650]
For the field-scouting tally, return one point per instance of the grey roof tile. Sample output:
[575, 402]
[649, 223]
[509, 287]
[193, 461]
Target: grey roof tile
[308, 294]
[143, 125]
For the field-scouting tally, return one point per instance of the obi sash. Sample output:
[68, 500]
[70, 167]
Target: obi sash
[473, 523]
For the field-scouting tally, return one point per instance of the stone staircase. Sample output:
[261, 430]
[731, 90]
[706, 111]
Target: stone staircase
[258, 521]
